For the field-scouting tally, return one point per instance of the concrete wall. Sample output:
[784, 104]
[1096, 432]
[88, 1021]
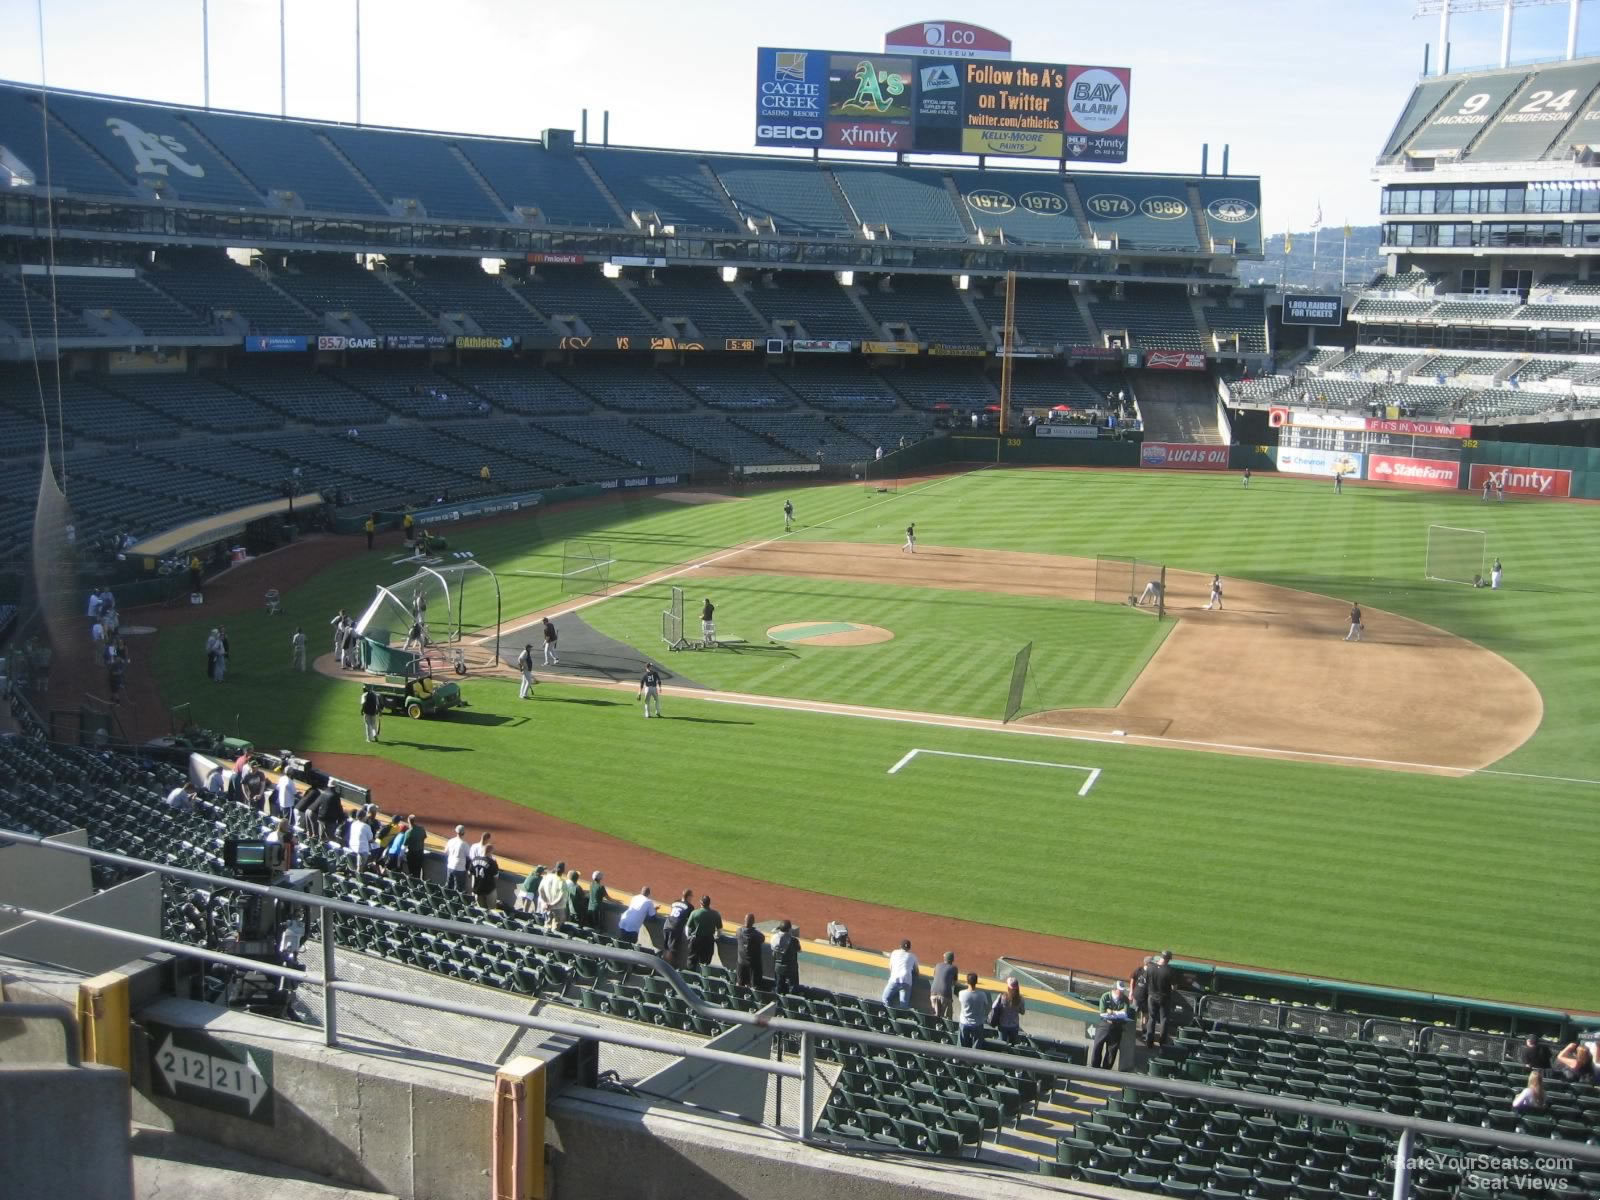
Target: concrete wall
[64, 1132]
[134, 906]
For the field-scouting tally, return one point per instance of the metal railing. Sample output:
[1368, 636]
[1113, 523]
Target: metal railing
[1407, 1129]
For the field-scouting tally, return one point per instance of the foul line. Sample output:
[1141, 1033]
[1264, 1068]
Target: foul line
[1094, 772]
[652, 580]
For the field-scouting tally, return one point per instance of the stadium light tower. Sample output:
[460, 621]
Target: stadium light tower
[1447, 8]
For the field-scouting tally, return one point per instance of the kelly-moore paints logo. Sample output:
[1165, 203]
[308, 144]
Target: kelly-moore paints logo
[1231, 210]
[152, 153]
[1098, 101]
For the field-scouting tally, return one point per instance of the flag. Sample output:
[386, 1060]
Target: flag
[1288, 243]
[1347, 230]
[1316, 221]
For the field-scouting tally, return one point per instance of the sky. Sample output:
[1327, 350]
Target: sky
[1304, 94]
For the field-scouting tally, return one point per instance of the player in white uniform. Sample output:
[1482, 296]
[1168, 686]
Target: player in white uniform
[525, 669]
[297, 645]
[911, 539]
[1494, 574]
[1151, 594]
[1216, 593]
[708, 626]
[1357, 627]
[788, 515]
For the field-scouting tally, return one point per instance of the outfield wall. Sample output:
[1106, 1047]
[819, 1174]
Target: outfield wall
[1575, 468]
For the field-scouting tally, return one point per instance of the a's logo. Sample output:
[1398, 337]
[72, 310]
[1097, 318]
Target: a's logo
[790, 64]
[937, 78]
[152, 153]
[933, 33]
[876, 91]
[1098, 101]
[1231, 211]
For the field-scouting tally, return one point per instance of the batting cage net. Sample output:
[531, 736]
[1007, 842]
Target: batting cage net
[1019, 682]
[672, 622]
[880, 474]
[1455, 555]
[1134, 582]
[585, 567]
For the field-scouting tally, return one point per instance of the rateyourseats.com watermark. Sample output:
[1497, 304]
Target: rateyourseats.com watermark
[1497, 1172]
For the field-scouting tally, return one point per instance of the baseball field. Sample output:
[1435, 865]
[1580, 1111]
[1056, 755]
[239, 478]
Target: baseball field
[1419, 809]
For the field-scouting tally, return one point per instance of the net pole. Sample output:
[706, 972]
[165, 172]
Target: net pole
[1008, 340]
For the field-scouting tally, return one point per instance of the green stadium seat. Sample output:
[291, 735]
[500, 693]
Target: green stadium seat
[1099, 1175]
[1072, 1151]
[1179, 1187]
[1137, 1181]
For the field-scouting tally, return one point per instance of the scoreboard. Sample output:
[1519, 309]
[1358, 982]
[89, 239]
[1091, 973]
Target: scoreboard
[825, 99]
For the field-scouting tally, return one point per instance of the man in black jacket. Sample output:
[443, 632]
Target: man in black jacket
[748, 961]
[1161, 984]
[785, 960]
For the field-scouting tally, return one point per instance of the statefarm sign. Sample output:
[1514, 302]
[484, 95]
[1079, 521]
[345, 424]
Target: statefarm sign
[1414, 472]
[1183, 456]
[1550, 482]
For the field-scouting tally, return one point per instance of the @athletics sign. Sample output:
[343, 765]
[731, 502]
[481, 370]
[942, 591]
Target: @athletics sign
[193, 1066]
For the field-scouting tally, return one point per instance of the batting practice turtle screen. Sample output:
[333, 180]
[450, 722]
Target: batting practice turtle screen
[826, 99]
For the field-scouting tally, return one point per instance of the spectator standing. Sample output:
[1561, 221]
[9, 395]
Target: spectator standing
[1006, 1013]
[973, 1006]
[416, 846]
[527, 893]
[455, 861]
[942, 990]
[359, 842]
[902, 976]
[1116, 1010]
[1533, 1054]
[674, 935]
[1160, 1001]
[747, 959]
[370, 721]
[370, 527]
[1141, 987]
[640, 909]
[485, 870]
[553, 896]
[577, 900]
[597, 899]
[702, 929]
[182, 798]
[785, 960]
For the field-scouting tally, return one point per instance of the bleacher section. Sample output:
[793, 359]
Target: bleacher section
[1231, 214]
[805, 434]
[1368, 308]
[624, 443]
[796, 197]
[194, 401]
[225, 288]
[678, 188]
[1047, 313]
[527, 390]
[1141, 212]
[132, 299]
[526, 175]
[700, 296]
[911, 204]
[719, 439]
[1245, 318]
[411, 392]
[957, 388]
[1154, 318]
[354, 292]
[734, 387]
[817, 302]
[412, 167]
[70, 166]
[25, 308]
[485, 299]
[627, 387]
[585, 294]
[839, 388]
[931, 307]
[291, 157]
[312, 399]
[1029, 208]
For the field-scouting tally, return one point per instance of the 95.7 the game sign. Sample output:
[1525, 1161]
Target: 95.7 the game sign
[195, 1067]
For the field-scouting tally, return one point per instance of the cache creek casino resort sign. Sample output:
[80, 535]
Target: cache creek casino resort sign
[935, 104]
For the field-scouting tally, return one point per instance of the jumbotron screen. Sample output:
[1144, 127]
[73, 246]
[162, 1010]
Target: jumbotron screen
[828, 99]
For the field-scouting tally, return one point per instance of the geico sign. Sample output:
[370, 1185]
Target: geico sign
[790, 133]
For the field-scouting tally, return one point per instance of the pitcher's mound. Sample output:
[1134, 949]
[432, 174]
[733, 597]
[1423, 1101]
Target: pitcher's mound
[829, 633]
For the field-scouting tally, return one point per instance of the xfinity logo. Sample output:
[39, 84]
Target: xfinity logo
[790, 133]
[879, 136]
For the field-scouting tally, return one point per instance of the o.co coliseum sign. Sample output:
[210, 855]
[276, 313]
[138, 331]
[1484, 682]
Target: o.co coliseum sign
[1183, 456]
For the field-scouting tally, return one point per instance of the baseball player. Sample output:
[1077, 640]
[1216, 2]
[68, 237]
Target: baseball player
[650, 688]
[788, 515]
[1216, 593]
[525, 667]
[1338, 483]
[1494, 574]
[1500, 488]
[1247, 477]
[911, 539]
[550, 643]
[708, 627]
[298, 645]
[1151, 594]
[1488, 483]
[1356, 627]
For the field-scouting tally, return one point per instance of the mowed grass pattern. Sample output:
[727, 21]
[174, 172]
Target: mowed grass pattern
[952, 651]
[1465, 886]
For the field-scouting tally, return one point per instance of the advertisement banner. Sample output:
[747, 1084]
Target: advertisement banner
[1096, 117]
[1026, 352]
[1094, 353]
[1175, 360]
[1183, 456]
[638, 481]
[336, 341]
[819, 346]
[467, 509]
[1413, 472]
[1303, 461]
[1316, 418]
[947, 39]
[1550, 482]
[542, 256]
[1013, 109]
[1443, 429]
[1066, 431]
[890, 347]
[791, 97]
[870, 99]
[469, 342]
[946, 350]
[273, 343]
[416, 341]
[1313, 310]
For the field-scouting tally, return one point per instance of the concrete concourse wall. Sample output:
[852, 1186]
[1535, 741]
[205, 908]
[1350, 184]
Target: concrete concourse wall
[64, 1132]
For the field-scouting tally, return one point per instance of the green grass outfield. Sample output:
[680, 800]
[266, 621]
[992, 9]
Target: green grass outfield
[1472, 886]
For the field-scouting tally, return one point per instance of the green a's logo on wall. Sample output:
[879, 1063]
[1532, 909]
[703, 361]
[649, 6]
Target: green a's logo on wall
[876, 90]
